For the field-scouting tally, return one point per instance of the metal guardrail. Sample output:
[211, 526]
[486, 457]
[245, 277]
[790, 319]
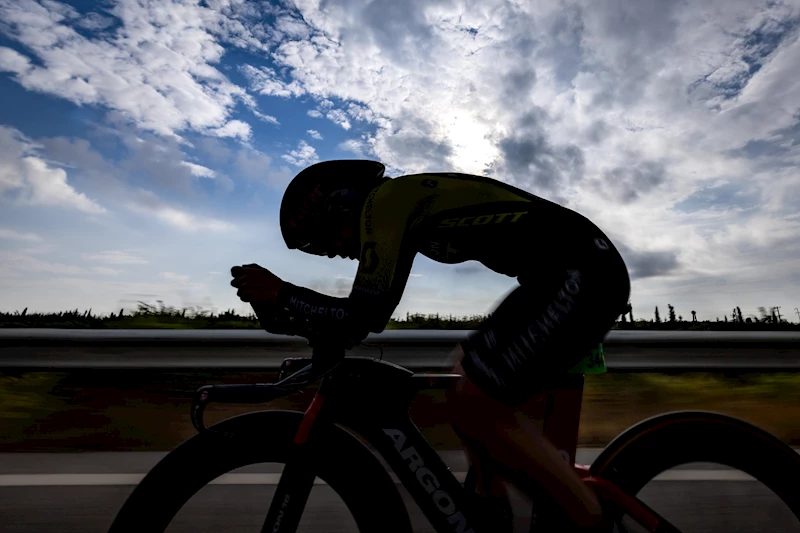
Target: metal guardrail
[626, 351]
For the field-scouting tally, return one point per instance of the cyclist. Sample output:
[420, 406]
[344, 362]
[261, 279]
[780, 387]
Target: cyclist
[573, 284]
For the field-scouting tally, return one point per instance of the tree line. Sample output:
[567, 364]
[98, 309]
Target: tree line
[161, 316]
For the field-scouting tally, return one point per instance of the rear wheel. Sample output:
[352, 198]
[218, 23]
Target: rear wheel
[661, 446]
[349, 469]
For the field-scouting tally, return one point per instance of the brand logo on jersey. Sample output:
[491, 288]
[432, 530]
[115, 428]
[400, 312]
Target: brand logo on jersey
[482, 220]
[369, 258]
[430, 183]
[601, 243]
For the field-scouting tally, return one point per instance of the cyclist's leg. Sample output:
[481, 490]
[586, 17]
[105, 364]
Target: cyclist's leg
[531, 334]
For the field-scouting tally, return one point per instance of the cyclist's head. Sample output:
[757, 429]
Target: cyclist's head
[322, 206]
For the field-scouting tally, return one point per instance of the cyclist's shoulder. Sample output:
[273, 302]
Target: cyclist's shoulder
[402, 192]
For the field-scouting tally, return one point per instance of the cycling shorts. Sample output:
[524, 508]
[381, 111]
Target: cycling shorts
[557, 315]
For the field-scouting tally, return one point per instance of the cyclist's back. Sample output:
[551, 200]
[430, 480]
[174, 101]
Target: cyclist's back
[452, 218]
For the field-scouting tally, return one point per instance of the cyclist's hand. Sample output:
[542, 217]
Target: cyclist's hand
[255, 283]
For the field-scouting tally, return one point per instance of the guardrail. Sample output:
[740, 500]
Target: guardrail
[626, 351]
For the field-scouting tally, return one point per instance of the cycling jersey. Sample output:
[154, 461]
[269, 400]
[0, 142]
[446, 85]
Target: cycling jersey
[448, 217]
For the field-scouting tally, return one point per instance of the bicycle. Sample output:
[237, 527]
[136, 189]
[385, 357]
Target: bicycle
[371, 397]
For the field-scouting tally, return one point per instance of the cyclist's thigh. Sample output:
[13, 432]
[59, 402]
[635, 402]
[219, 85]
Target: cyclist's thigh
[548, 323]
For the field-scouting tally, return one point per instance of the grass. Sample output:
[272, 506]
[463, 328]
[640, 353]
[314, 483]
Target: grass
[147, 410]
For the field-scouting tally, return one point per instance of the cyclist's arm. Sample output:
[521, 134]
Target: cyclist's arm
[319, 312]
[387, 255]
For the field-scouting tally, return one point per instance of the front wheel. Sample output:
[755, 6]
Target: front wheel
[339, 460]
[650, 448]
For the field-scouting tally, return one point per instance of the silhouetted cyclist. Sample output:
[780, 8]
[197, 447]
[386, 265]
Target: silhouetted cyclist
[573, 284]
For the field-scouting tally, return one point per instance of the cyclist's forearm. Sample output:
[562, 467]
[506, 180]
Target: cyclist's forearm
[316, 307]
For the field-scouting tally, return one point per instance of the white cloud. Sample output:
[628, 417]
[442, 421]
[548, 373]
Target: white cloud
[234, 128]
[147, 203]
[266, 118]
[265, 81]
[156, 68]
[115, 257]
[313, 113]
[18, 235]
[358, 147]
[28, 179]
[314, 134]
[13, 61]
[337, 116]
[199, 170]
[303, 156]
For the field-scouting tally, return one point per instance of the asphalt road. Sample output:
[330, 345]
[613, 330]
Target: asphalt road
[82, 492]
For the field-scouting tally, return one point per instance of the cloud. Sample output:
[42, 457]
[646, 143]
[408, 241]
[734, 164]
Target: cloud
[105, 271]
[360, 147]
[646, 264]
[257, 166]
[13, 61]
[235, 129]
[147, 203]
[303, 156]
[25, 178]
[338, 117]
[199, 170]
[314, 134]
[20, 262]
[266, 118]
[94, 21]
[265, 81]
[18, 235]
[607, 107]
[115, 257]
[157, 73]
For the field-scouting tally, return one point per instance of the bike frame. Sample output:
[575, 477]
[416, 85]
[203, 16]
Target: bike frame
[383, 420]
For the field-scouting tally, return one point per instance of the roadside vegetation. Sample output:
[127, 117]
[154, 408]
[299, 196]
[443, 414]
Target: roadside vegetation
[160, 316]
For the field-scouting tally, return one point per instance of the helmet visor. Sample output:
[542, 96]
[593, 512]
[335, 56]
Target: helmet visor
[321, 232]
[316, 232]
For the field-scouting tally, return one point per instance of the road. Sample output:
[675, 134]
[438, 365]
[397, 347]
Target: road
[81, 492]
[626, 351]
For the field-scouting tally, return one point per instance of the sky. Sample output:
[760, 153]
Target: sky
[145, 146]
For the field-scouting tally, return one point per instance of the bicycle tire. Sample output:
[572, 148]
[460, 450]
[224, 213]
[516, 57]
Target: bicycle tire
[665, 441]
[340, 459]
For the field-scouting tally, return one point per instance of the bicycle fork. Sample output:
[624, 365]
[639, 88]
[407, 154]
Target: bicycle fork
[297, 479]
